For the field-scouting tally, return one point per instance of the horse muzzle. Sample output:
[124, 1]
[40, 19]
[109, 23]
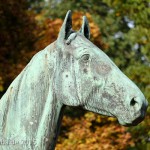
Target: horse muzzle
[137, 112]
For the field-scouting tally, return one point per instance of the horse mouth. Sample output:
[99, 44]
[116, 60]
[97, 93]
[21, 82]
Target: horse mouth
[135, 122]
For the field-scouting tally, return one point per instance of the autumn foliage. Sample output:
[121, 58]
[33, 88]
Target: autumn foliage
[93, 132]
[16, 38]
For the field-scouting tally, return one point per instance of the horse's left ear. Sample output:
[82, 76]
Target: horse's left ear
[66, 28]
[85, 29]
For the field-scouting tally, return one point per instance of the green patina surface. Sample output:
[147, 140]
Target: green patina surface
[71, 71]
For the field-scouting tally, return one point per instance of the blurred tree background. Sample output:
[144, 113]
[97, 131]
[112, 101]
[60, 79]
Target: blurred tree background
[119, 28]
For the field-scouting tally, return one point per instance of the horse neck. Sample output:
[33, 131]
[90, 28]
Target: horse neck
[33, 95]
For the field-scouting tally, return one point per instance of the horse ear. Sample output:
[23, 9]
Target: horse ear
[66, 28]
[85, 29]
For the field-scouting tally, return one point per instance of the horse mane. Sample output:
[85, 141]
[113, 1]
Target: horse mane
[28, 102]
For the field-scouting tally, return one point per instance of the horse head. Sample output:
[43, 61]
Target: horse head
[88, 78]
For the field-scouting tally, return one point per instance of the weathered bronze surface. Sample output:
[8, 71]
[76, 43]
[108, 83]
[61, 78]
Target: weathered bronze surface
[71, 71]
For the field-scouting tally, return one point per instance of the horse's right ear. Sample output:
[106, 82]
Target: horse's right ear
[66, 28]
[85, 29]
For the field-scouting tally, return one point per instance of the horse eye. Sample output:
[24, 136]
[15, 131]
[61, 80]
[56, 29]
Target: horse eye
[85, 57]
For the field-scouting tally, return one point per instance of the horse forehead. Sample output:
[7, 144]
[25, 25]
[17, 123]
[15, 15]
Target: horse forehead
[81, 45]
[81, 41]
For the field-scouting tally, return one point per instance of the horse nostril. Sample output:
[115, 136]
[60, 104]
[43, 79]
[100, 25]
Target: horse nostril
[136, 103]
[133, 102]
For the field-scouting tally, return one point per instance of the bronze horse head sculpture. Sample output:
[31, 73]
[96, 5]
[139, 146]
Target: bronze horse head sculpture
[71, 71]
